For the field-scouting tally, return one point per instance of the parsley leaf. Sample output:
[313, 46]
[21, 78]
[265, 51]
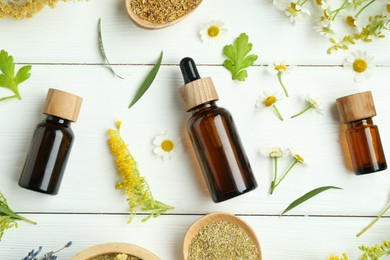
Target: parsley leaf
[8, 79]
[237, 57]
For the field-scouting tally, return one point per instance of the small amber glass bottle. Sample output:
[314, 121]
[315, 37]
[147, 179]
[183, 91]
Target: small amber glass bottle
[51, 143]
[362, 135]
[214, 137]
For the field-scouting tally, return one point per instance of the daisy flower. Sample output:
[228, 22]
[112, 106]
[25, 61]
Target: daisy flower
[360, 64]
[268, 100]
[353, 23]
[273, 152]
[279, 68]
[213, 33]
[324, 27]
[296, 12]
[166, 146]
[312, 103]
[294, 154]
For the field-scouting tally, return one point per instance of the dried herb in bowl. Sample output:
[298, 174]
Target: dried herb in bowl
[162, 11]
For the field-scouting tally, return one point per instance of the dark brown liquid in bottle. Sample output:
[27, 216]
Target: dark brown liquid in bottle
[220, 152]
[365, 147]
[48, 155]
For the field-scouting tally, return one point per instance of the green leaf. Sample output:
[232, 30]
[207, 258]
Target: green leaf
[238, 58]
[148, 81]
[307, 196]
[101, 46]
[8, 79]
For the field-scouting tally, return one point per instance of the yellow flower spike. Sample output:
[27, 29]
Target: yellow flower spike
[134, 186]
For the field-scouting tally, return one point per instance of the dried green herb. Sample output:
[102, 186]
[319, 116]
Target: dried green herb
[307, 196]
[373, 222]
[8, 79]
[148, 81]
[222, 240]
[101, 46]
[237, 57]
[8, 218]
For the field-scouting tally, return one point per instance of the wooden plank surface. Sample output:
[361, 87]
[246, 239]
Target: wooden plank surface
[62, 46]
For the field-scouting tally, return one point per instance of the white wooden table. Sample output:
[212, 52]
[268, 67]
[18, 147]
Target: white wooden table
[61, 44]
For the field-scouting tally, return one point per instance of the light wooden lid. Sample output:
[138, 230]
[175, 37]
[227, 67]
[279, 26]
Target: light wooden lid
[62, 104]
[356, 107]
[198, 92]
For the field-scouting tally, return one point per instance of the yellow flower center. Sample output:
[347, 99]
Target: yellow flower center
[299, 158]
[293, 6]
[388, 8]
[326, 15]
[213, 31]
[280, 67]
[360, 65]
[350, 21]
[167, 145]
[269, 101]
[319, 2]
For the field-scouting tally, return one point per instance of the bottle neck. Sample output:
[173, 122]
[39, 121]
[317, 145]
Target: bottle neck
[204, 107]
[362, 122]
[58, 120]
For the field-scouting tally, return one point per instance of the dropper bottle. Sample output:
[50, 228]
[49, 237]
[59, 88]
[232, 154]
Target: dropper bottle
[214, 138]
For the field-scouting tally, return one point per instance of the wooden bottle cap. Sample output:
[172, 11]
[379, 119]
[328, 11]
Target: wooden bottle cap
[62, 104]
[198, 92]
[356, 107]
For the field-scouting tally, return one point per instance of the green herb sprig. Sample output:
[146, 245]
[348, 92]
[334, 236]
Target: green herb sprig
[308, 196]
[374, 221]
[101, 47]
[8, 79]
[148, 81]
[237, 57]
[8, 218]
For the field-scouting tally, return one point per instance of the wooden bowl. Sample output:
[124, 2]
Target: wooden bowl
[113, 248]
[218, 216]
[149, 25]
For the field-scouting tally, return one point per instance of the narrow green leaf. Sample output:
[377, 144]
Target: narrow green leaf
[101, 46]
[307, 196]
[148, 81]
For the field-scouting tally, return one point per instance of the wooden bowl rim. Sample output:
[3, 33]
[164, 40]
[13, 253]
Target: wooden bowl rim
[217, 216]
[110, 248]
[144, 24]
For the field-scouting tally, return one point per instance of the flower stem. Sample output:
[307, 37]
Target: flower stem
[339, 9]
[303, 111]
[364, 7]
[27, 220]
[281, 83]
[285, 174]
[275, 173]
[277, 112]
[373, 222]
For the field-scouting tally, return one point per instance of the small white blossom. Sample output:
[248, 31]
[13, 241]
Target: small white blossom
[360, 64]
[268, 99]
[213, 33]
[273, 152]
[296, 12]
[166, 146]
[279, 66]
[314, 103]
[296, 155]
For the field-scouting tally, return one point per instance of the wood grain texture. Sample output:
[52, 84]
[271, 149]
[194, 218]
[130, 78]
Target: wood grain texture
[62, 44]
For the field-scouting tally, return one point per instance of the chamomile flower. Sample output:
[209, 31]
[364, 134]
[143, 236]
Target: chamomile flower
[166, 146]
[268, 100]
[294, 154]
[213, 33]
[386, 10]
[296, 12]
[279, 68]
[324, 27]
[312, 103]
[360, 64]
[273, 152]
[353, 22]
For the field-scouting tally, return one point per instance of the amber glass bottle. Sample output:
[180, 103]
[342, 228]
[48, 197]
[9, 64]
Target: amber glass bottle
[362, 135]
[215, 138]
[51, 143]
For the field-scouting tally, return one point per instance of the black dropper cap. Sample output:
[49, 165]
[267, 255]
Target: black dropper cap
[189, 70]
